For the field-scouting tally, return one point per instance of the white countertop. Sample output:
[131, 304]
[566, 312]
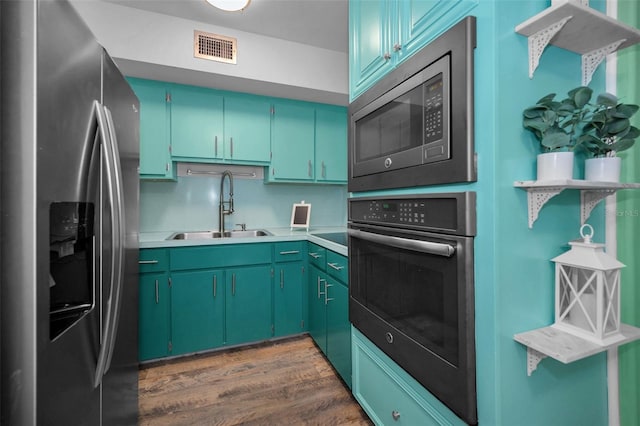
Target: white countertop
[159, 239]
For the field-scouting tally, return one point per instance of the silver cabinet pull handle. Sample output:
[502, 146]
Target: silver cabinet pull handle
[315, 255]
[320, 293]
[290, 252]
[327, 299]
[231, 141]
[281, 278]
[310, 168]
[147, 262]
[336, 266]
[324, 170]
[215, 285]
[233, 284]
[157, 293]
[395, 414]
[215, 138]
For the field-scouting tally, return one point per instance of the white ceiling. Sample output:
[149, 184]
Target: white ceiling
[320, 23]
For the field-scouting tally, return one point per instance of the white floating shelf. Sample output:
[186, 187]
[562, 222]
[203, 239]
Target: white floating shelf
[566, 347]
[578, 28]
[591, 193]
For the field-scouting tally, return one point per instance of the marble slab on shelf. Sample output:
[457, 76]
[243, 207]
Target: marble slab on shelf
[566, 347]
[573, 183]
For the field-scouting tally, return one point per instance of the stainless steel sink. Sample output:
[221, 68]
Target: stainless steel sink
[248, 233]
[205, 235]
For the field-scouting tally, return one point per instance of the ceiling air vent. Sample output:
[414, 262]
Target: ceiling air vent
[214, 47]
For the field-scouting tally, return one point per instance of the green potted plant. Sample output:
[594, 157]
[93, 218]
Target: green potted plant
[607, 131]
[557, 125]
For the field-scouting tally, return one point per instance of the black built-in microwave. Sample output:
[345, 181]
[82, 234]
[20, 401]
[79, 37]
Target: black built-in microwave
[414, 127]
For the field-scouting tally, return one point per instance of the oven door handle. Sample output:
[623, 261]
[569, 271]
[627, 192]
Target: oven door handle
[439, 249]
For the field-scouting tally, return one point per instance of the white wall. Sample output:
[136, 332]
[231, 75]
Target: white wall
[151, 45]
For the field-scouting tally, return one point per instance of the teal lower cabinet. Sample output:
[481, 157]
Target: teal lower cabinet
[289, 288]
[388, 394]
[248, 304]
[329, 313]
[317, 308]
[339, 328]
[154, 304]
[197, 311]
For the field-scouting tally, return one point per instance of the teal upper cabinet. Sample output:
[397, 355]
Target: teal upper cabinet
[331, 144]
[222, 127]
[247, 128]
[155, 142]
[292, 142]
[382, 33]
[308, 143]
[370, 28]
[196, 123]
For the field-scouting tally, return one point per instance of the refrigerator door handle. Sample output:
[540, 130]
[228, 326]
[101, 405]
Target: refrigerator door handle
[114, 190]
[120, 249]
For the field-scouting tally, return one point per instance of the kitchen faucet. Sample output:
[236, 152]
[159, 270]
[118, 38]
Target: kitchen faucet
[229, 203]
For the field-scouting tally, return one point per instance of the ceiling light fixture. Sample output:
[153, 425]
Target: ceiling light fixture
[229, 5]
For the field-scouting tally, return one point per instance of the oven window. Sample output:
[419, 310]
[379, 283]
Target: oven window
[393, 128]
[413, 291]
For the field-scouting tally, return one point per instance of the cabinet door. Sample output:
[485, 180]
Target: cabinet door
[155, 142]
[339, 329]
[292, 142]
[331, 144]
[288, 302]
[247, 129]
[197, 319]
[248, 301]
[421, 21]
[153, 332]
[317, 308]
[196, 122]
[371, 36]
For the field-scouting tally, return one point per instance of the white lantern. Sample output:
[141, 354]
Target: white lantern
[588, 291]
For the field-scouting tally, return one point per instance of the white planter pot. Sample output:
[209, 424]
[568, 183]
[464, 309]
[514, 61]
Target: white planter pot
[606, 169]
[555, 166]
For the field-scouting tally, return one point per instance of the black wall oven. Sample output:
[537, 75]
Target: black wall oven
[415, 126]
[412, 288]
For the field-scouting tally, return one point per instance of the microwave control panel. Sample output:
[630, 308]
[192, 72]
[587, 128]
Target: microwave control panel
[433, 109]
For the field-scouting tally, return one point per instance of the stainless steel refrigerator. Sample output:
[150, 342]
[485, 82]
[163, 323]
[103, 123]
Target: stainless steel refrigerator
[69, 159]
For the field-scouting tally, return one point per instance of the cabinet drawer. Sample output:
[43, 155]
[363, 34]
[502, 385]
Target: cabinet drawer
[387, 397]
[337, 266]
[226, 255]
[153, 260]
[317, 256]
[288, 251]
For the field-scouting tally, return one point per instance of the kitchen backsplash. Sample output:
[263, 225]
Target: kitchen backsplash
[191, 203]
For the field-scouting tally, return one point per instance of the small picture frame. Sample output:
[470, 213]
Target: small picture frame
[300, 215]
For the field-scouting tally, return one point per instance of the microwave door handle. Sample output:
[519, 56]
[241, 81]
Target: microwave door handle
[438, 249]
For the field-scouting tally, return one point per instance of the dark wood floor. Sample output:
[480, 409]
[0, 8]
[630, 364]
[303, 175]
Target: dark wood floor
[287, 382]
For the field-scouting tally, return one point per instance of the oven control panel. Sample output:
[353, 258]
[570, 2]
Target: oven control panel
[399, 212]
[446, 212]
